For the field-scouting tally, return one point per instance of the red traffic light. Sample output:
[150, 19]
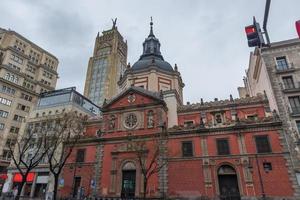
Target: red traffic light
[250, 29]
[298, 27]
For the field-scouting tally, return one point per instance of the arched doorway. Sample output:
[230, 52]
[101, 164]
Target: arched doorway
[128, 180]
[228, 183]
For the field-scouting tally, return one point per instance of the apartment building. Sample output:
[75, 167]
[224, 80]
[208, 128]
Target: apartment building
[26, 70]
[275, 71]
[51, 105]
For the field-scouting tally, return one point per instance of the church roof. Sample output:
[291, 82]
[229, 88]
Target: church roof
[151, 54]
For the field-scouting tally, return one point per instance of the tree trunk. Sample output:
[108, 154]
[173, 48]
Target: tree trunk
[145, 187]
[20, 189]
[56, 176]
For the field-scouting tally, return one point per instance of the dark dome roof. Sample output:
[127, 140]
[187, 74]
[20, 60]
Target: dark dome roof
[151, 54]
[148, 61]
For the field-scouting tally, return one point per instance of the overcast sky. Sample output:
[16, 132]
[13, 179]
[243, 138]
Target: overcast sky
[204, 37]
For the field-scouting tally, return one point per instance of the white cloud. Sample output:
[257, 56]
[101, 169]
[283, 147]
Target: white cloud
[205, 38]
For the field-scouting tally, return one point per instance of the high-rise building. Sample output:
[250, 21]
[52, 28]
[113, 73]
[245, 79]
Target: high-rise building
[105, 67]
[275, 71]
[26, 70]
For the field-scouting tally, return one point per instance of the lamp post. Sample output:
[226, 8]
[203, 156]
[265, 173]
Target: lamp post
[73, 184]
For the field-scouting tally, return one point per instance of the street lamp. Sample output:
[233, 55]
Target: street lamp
[74, 174]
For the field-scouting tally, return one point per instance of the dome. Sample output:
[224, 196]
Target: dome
[151, 54]
[149, 61]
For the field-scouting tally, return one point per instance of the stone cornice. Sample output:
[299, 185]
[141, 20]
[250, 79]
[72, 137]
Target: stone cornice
[248, 101]
[31, 43]
[145, 70]
[231, 156]
[245, 128]
[19, 87]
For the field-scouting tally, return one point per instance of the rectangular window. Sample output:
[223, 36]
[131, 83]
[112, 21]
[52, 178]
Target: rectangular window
[262, 144]
[298, 178]
[5, 101]
[3, 114]
[80, 155]
[14, 129]
[298, 126]
[23, 107]
[18, 118]
[187, 149]
[6, 155]
[223, 147]
[288, 82]
[2, 126]
[252, 117]
[295, 104]
[26, 97]
[281, 63]
[188, 123]
[8, 90]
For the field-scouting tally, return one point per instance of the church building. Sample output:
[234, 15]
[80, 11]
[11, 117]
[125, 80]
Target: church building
[148, 143]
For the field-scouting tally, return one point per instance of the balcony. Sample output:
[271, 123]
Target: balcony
[290, 88]
[287, 69]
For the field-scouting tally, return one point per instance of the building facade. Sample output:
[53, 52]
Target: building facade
[275, 71]
[26, 70]
[51, 105]
[105, 67]
[229, 149]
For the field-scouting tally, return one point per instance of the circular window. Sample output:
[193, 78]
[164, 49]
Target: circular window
[130, 120]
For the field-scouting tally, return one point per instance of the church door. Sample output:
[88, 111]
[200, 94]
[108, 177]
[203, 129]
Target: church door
[228, 183]
[128, 184]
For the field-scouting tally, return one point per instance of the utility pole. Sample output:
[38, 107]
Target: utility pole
[267, 8]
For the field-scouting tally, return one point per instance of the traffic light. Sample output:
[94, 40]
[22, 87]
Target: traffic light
[298, 27]
[254, 35]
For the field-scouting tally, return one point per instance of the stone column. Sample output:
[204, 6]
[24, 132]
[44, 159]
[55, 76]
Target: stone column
[113, 174]
[163, 173]
[98, 169]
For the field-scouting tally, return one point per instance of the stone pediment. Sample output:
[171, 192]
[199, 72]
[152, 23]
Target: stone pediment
[133, 97]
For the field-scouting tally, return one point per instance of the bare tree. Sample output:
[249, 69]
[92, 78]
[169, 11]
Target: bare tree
[63, 136]
[28, 152]
[150, 158]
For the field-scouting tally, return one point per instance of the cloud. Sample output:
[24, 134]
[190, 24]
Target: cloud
[205, 38]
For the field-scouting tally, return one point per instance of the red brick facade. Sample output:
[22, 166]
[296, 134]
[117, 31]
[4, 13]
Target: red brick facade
[203, 171]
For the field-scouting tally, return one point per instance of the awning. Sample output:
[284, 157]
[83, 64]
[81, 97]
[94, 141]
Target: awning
[3, 176]
[18, 177]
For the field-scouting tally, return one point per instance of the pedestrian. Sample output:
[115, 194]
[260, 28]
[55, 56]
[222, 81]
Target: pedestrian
[15, 192]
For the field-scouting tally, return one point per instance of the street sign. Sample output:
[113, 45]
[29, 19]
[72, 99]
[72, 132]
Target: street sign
[93, 183]
[61, 182]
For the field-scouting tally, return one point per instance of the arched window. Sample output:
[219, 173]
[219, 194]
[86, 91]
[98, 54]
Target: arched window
[226, 169]
[150, 119]
[129, 166]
